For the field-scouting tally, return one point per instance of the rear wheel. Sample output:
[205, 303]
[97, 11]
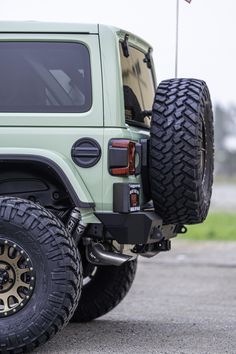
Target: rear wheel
[103, 289]
[181, 151]
[40, 275]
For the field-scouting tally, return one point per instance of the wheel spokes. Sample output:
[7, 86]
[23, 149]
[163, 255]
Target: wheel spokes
[16, 278]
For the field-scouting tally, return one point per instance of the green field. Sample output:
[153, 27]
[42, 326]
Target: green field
[218, 226]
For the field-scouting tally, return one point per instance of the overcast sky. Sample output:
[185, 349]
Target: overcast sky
[207, 40]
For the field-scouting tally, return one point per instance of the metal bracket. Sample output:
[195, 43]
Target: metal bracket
[125, 46]
[152, 249]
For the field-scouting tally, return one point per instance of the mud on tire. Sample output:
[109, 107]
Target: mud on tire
[181, 151]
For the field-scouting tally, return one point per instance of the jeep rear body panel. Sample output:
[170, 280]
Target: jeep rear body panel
[53, 134]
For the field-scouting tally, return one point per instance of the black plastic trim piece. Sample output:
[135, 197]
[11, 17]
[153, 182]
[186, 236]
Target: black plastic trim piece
[122, 194]
[138, 150]
[148, 58]
[57, 169]
[145, 169]
[47, 32]
[125, 46]
[86, 152]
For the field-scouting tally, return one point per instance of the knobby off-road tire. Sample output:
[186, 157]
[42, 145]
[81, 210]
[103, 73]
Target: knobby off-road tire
[106, 286]
[181, 151]
[30, 234]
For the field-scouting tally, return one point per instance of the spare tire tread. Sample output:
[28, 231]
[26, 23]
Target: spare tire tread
[180, 195]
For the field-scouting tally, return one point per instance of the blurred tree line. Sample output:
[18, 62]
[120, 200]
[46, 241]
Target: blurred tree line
[225, 141]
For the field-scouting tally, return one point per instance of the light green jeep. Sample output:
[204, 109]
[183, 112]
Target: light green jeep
[97, 167]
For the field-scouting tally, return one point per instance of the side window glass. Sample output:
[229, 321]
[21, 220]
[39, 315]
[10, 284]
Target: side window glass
[46, 77]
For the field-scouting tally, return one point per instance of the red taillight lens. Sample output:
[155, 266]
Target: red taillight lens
[124, 147]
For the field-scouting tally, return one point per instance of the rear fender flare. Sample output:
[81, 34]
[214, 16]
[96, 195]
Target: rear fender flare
[65, 170]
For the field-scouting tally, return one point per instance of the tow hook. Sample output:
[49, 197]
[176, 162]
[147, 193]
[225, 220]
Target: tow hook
[181, 229]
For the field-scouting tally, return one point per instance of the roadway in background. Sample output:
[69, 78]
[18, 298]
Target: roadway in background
[182, 302]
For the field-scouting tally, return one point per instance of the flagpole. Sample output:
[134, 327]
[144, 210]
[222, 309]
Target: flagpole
[177, 39]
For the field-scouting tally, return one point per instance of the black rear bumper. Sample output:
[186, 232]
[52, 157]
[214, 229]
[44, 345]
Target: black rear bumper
[136, 228]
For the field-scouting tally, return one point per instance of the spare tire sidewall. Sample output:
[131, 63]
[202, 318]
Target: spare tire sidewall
[207, 134]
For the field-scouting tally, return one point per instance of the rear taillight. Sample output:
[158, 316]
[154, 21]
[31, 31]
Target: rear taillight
[122, 155]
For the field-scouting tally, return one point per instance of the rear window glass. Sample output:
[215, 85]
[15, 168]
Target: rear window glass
[44, 77]
[138, 86]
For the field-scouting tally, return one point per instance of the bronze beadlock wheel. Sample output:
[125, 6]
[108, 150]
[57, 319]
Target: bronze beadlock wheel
[40, 275]
[17, 278]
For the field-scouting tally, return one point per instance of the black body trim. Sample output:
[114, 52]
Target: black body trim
[86, 152]
[145, 169]
[135, 228]
[57, 169]
[47, 32]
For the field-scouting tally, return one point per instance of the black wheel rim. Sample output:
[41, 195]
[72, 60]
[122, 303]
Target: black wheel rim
[17, 278]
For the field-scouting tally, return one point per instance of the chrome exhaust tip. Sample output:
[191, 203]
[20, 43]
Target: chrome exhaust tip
[96, 254]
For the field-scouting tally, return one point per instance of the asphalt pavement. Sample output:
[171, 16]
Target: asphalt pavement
[182, 302]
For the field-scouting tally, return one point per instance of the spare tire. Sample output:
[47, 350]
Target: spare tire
[181, 151]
